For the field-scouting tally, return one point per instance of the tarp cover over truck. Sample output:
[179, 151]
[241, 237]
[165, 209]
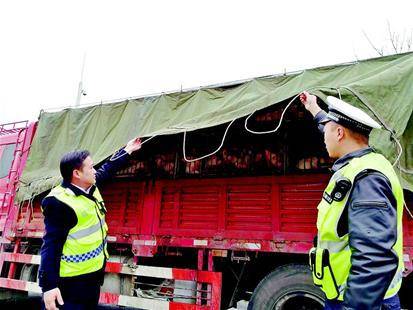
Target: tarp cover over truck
[383, 87]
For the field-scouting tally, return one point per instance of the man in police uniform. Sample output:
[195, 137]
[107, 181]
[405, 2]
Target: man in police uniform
[358, 257]
[73, 254]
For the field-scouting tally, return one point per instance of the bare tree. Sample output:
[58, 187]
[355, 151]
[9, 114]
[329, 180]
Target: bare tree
[396, 43]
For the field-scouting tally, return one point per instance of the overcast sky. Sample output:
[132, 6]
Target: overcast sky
[135, 48]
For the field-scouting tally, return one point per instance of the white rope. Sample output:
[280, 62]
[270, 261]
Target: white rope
[210, 154]
[113, 158]
[400, 150]
[279, 123]
[407, 209]
[404, 170]
[339, 93]
[286, 108]
[150, 138]
[246, 128]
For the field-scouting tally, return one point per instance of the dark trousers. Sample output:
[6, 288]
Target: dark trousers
[74, 298]
[75, 306]
[392, 303]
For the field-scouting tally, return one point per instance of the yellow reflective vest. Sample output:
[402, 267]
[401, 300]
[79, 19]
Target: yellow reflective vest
[330, 260]
[84, 250]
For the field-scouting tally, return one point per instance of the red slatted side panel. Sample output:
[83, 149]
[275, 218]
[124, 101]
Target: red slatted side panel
[246, 208]
[198, 208]
[124, 201]
[298, 207]
[167, 206]
[227, 208]
[188, 210]
[249, 208]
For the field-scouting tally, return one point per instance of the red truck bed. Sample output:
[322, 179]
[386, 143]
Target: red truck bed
[271, 213]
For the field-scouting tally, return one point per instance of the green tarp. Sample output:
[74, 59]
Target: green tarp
[384, 84]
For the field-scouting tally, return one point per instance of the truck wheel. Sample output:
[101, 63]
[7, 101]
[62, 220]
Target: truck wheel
[288, 287]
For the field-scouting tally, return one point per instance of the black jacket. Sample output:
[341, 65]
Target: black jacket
[59, 218]
[370, 219]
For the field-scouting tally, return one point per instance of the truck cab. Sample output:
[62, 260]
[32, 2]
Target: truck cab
[15, 141]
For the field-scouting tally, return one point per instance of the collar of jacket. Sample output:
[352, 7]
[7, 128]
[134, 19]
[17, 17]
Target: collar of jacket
[342, 161]
[78, 191]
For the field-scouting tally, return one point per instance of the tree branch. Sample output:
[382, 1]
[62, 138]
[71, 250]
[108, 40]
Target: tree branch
[380, 52]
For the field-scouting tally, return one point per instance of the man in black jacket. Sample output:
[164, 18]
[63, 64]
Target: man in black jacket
[368, 231]
[61, 217]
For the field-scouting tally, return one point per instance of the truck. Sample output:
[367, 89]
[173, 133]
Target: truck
[220, 204]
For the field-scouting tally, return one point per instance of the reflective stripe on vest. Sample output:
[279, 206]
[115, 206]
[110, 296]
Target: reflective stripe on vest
[336, 268]
[84, 250]
[88, 231]
[85, 256]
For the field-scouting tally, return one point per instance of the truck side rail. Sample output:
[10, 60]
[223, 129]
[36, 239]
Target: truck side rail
[207, 295]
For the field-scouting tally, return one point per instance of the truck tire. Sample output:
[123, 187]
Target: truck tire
[288, 287]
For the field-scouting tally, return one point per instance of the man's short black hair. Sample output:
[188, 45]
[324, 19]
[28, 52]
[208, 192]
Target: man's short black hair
[72, 161]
